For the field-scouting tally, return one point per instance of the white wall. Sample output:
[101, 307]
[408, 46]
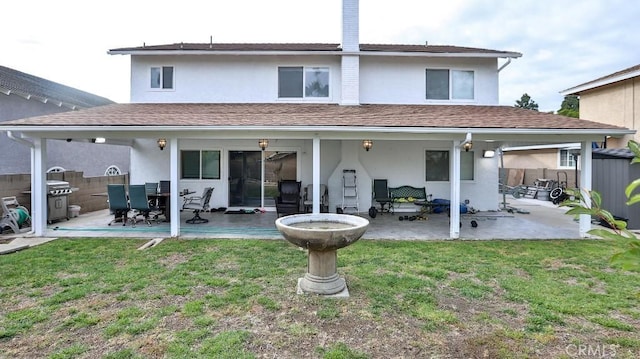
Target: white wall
[224, 79]
[401, 162]
[401, 80]
[246, 79]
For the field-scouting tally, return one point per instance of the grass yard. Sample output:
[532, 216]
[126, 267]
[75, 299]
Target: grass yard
[102, 298]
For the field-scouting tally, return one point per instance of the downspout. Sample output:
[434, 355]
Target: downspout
[505, 64]
[20, 140]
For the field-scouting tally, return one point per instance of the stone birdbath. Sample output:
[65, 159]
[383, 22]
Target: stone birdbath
[322, 234]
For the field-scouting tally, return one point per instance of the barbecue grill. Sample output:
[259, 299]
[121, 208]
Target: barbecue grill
[57, 200]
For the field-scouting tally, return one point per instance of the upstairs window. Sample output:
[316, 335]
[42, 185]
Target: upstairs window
[162, 77]
[303, 82]
[449, 84]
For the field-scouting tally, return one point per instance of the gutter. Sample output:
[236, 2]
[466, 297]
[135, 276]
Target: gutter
[505, 64]
[20, 140]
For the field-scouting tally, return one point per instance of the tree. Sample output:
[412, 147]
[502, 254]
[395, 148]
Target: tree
[526, 102]
[630, 258]
[570, 106]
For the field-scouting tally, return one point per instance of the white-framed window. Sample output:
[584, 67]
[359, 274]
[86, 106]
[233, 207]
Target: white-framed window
[112, 170]
[566, 159]
[162, 77]
[200, 164]
[437, 165]
[56, 169]
[303, 82]
[445, 84]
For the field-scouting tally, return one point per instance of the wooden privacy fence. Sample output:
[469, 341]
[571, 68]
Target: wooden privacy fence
[17, 184]
[527, 176]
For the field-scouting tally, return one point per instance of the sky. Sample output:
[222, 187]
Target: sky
[564, 43]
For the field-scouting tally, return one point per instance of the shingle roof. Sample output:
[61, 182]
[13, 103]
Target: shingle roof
[28, 85]
[311, 115]
[633, 71]
[302, 47]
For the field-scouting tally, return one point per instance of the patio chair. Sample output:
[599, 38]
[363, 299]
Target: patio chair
[139, 204]
[13, 215]
[164, 189]
[288, 202]
[118, 204]
[152, 192]
[198, 204]
[381, 195]
[307, 200]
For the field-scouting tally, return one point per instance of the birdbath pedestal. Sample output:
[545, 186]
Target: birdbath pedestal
[322, 235]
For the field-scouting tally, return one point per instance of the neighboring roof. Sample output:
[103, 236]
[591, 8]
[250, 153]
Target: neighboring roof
[434, 50]
[631, 72]
[602, 153]
[33, 87]
[121, 117]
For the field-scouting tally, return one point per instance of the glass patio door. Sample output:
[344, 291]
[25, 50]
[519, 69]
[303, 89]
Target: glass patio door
[245, 172]
[244, 178]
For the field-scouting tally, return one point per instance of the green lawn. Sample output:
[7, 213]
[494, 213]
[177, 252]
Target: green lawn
[88, 298]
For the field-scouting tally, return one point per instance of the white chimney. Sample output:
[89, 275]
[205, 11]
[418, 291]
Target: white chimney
[350, 25]
[350, 58]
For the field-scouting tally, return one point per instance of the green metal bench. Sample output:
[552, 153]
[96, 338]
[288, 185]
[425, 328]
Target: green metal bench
[406, 195]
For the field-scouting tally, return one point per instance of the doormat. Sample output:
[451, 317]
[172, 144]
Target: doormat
[242, 211]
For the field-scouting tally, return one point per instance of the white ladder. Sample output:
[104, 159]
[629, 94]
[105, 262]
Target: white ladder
[349, 190]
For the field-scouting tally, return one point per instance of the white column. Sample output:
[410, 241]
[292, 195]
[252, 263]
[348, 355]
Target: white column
[316, 175]
[262, 179]
[39, 187]
[454, 181]
[175, 210]
[585, 185]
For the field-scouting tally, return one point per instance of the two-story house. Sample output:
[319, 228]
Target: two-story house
[240, 117]
[613, 99]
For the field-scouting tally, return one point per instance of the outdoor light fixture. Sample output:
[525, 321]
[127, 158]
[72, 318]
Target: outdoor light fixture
[263, 143]
[467, 144]
[367, 144]
[488, 153]
[162, 143]
[98, 140]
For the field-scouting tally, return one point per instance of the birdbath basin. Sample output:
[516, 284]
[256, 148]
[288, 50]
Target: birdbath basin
[322, 234]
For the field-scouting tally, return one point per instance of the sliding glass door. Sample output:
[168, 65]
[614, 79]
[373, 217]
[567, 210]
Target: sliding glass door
[245, 171]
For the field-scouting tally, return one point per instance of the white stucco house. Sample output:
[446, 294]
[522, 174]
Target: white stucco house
[315, 104]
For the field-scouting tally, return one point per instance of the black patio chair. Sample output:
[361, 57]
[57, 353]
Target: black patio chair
[381, 195]
[288, 201]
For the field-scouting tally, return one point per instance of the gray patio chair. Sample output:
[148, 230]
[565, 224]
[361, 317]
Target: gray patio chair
[307, 200]
[198, 204]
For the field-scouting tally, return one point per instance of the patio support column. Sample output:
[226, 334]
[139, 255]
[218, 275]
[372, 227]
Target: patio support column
[585, 185]
[316, 175]
[175, 211]
[39, 187]
[454, 181]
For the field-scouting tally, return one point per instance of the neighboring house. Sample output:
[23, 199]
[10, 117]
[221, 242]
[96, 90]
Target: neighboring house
[551, 156]
[202, 114]
[23, 95]
[613, 99]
